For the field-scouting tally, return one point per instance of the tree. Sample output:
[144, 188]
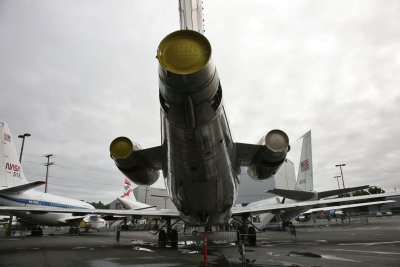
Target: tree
[372, 190]
[375, 190]
[99, 205]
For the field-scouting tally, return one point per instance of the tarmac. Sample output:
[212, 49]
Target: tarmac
[360, 243]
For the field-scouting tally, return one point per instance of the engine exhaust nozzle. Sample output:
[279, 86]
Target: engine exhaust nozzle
[184, 52]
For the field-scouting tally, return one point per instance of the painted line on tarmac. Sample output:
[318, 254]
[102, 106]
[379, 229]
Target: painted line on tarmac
[369, 244]
[366, 251]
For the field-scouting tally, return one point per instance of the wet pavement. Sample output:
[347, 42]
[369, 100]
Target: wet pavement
[376, 243]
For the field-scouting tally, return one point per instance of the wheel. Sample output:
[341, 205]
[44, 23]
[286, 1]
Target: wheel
[162, 239]
[252, 236]
[174, 238]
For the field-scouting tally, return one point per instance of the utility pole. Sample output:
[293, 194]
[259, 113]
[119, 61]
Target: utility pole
[47, 169]
[337, 179]
[341, 172]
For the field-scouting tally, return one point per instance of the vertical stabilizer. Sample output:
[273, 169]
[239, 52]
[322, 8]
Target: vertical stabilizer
[305, 172]
[191, 15]
[11, 173]
[128, 191]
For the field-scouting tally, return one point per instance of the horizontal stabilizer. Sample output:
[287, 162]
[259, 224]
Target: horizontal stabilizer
[22, 188]
[293, 194]
[330, 193]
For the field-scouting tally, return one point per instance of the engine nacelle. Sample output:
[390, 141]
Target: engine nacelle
[270, 157]
[126, 156]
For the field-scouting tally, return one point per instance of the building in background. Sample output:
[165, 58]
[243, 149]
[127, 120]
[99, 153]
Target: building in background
[157, 197]
[251, 190]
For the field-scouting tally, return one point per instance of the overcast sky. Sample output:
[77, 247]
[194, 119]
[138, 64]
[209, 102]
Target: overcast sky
[76, 74]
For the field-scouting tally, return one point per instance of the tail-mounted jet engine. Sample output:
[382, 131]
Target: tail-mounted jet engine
[271, 155]
[129, 160]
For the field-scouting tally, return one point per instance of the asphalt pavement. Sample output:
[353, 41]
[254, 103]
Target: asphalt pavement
[372, 243]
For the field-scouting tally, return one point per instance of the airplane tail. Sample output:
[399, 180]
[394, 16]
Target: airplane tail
[128, 200]
[305, 172]
[11, 174]
[128, 191]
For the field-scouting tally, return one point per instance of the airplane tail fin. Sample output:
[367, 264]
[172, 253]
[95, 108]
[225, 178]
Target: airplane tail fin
[11, 174]
[128, 191]
[305, 172]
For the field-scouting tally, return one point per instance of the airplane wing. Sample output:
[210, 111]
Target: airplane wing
[262, 207]
[104, 212]
[341, 207]
[21, 188]
[258, 208]
[304, 195]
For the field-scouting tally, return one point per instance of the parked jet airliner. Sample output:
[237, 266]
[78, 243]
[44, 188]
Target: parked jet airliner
[16, 191]
[304, 191]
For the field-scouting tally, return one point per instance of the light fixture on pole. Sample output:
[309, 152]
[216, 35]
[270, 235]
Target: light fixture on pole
[337, 179]
[341, 172]
[47, 169]
[23, 142]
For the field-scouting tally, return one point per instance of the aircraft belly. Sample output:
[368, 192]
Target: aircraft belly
[201, 171]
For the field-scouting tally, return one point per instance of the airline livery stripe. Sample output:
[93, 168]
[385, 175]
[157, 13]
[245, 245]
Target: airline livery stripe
[40, 203]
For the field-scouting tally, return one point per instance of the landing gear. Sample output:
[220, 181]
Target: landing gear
[285, 224]
[174, 238]
[162, 238]
[125, 226]
[37, 231]
[247, 233]
[252, 238]
[74, 230]
[171, 235]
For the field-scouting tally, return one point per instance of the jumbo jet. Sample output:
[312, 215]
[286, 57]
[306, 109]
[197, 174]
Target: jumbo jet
[16, 191]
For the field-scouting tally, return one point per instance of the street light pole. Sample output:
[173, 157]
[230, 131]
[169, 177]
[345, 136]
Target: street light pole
[23, 142]
[8, 233]
[47, 169]
[341, 172]
[337, 179]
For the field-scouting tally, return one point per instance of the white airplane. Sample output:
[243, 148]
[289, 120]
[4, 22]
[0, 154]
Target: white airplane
[339, 211]
[16, 191]
[303, 191]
